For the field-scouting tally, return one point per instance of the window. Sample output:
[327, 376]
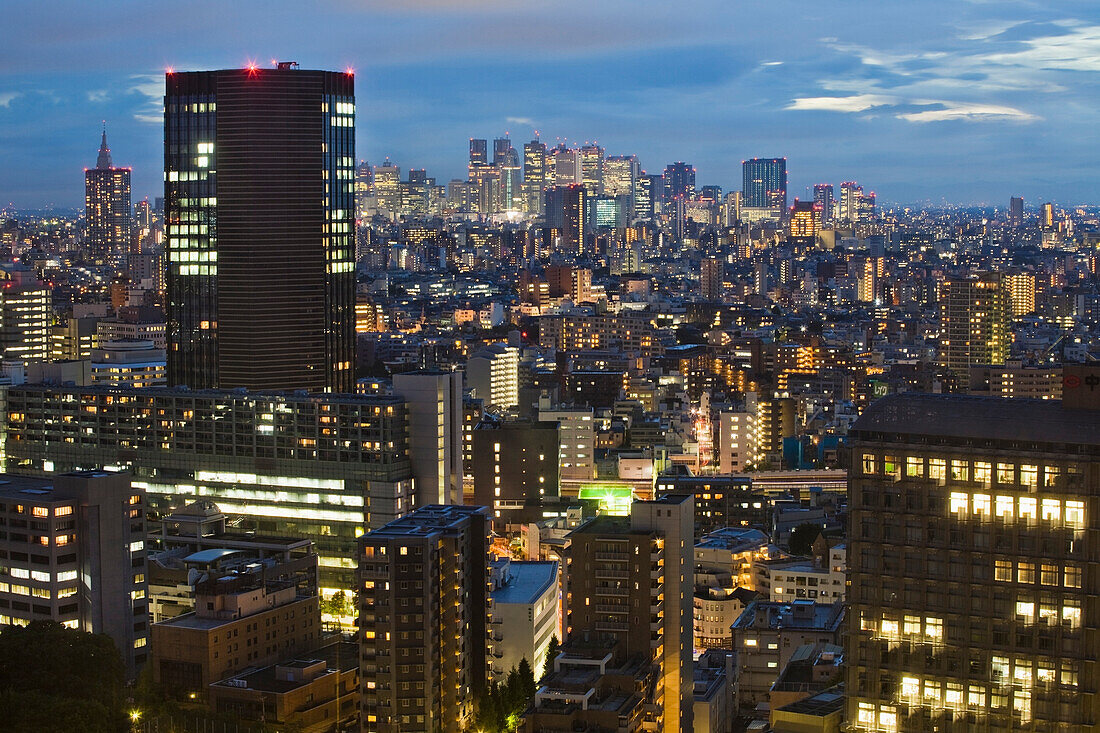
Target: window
[1075, 514]
[1025, 573]
[1005, 507]
[982, 504]
[1006, 473]
[910, 688]
[1072, 577]
[1029, 476]
[983, 472]
[914, 467]
[1002, 571]
[959, 470]
[1025, 611]
[1052, 510]
[40, 511]
[1048, 574]
[1028, 507]
[959, 502]
[868, 463]
[1071, 613]
[937, 469]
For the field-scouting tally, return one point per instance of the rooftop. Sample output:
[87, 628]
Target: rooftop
[794, 615]
[527, 582]
[980, 418]
[342, 656]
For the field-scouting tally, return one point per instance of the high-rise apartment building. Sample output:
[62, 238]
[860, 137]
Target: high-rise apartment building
[260, 213]
[107, 209]
[628, 591]
[434, 401]
[1021, 293]
[1016, 211]
[711, 274]
[764, 183]
[493, 374]
[972, 544]
[516, 464]
[973, 324]
[74, 552]
[423, 585]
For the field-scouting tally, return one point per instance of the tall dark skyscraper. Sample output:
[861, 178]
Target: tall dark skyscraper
[107, 207]
[260, 214]
[1016, 210]
[565, 213]
[679, 181]
[534, 174]
[823, 198]
[764, 183]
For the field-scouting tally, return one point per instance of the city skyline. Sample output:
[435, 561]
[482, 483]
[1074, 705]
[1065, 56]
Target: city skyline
[1002, 92]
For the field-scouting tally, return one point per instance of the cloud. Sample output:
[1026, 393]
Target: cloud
[6, 98]
[949, 111]
[855, 103]
[520, 121]
[1076, 50]
[98, 95]
[772, 63]
[151, 88]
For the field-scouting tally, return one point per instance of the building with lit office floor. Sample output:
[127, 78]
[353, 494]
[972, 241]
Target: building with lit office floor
[73, 551]
[327, 467]
[975, 600]
[423, 585]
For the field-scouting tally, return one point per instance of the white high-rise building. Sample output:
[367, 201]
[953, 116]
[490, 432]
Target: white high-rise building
[434, 401]
[576, 440]
[493, 373]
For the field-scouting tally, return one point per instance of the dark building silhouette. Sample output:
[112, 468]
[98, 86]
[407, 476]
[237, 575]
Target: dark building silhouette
[260, 209]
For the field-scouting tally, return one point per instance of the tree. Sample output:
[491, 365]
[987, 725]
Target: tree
[802, 539]
[527, 678]
[552, 650]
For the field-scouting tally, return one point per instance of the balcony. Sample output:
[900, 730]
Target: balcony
[612, 626]
[612, 573]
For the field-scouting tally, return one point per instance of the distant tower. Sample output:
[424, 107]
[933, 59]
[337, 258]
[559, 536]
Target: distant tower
[823, 197]
[710, 279]
[1016, 211]
[679, 181]
[107, 206]
[534, 175]
[764, 183]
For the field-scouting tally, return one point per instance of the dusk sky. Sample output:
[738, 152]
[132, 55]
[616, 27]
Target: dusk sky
[931, 100]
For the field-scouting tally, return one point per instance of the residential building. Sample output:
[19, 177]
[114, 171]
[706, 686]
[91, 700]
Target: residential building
[524, 612]
[434, 403]
[131, 363]
[516, 463]
[423, 582]
[973, 324]
[493, 375]
[576, 440]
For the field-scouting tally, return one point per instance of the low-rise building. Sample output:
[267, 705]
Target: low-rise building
[767, 634]
[524, 609]
[712, 711]
[316, 692]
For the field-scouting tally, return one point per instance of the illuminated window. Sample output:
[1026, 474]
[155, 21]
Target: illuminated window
[953, 695]
[1025, 573]
[1050, 475]
[999, 667]
[1052, 510]
[912, 625]
[1002, 571]
[982, 504]
[910, 688]
[1028, 507]
[933, 628]
[914, 467]
[1075, 514]
[889, 628]
[1048, 574]
[959, 502]
[865, 713]
[1071, 613]
[1048, 614]
[1005, 507]
[1072, 577]
[888, 719]
[1025, 611]
[983, 472]
[937, 469]
[932, 692]
[975, 696]
[1068, 677]
[40, 511]
[868, 463]
[1029, 476]
[959, 470]
[1006, 473]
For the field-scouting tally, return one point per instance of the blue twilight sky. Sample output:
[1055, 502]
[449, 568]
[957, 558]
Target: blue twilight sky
[963, 101]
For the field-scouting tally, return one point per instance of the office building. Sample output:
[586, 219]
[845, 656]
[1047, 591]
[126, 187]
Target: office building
[260, 218]
[764, 183]
[823, 203]
[566, 216]
[133, 363]
[493, 375]
[74, 553]
[434, 403]
[647, 191]
[25, 314]
[1014, 379]
[534, 175]
[423, 583]
[1016, 211]
[73, 338]
[523, 614]
[241, 621]
[107, 210]
[516, 464]
[803, 223]
[620, 178]
[973, 591]
[629, 595]
[678, 182]
[1046, 216]
[973, 324]
[325, 467]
